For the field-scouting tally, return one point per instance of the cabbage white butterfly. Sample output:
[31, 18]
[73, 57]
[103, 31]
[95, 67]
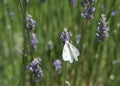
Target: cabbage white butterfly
[70, 52]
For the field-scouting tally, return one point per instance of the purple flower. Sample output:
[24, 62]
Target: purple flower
[88, 13]
[34, 41]
[88, 9]
[12, 14]
[65, 36]
[30, 23]
[58, 65]
[102, 29]
[78, 37]
[113, 13]
[35, 68]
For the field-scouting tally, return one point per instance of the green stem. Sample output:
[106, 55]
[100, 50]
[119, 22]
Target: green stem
[63, 78]
[84, 23]
[24, 59]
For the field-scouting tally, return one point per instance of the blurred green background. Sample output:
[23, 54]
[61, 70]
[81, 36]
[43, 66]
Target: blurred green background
[99, 62]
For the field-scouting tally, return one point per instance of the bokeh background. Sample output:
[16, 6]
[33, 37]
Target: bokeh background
[99, 62]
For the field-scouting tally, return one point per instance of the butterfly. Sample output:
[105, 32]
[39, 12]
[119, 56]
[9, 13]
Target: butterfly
[70, 52]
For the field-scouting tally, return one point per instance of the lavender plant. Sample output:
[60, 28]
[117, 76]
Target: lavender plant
[35, 68]
[78, 37]
[12, 15]
[30, 23]
[65, 36]
[89, 9]
[99, 66]
[113, 13]
[33, 41]
[58, 65]
[102, 29]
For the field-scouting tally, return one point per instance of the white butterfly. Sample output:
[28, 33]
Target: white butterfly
[70, 52]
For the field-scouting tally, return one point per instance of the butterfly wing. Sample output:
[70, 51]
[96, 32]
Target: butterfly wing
[66, 53]
[74, 51]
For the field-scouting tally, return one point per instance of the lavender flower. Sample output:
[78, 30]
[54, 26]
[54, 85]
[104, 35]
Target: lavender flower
[57, 64]
[35, 68]
[30, 23]
[34, 41]
[88, 9]
[12, 14]
[102, 29]
[113, 13]
[65, 36]
[78, 37]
